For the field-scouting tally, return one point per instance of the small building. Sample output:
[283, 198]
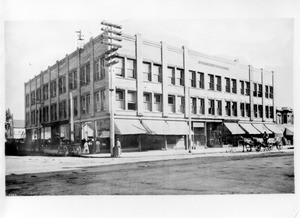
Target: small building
[284, 115]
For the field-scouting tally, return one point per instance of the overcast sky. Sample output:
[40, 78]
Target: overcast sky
[32, 46]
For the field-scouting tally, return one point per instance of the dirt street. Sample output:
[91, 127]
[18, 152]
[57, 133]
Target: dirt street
[265, 173]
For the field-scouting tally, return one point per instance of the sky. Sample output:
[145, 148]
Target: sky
[33, 45]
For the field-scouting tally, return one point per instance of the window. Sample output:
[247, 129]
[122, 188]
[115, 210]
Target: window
[119, 67]
[255, 110]
[233, 85]
[242, 83]
[157, 74]
[181, 102]
[45, 114]
[85, 104]
[147, 71]
[98, 106]
[211, 109]
[62, 110]
[53, 112]
[228, 108]
[45, 92]
[234, 109]
[254, 89]
[247, 88]
[33, 117]
[259, 90]
[73, 80]
[227, 85]
[267, 91]
[157, 102]
[38, 95]
[120, 99]
[260, 111]
[219, 107]
[271, 92]
[171, 103]
[193, 105]
[193, 78]
[131, 100]
[130, 68]
[32, 96]
[201, 80]
[99, 69]
[267, 112]
[242, 109]
[180, 77]
[171, 75]
[75, 109]
[248, 110]
[271, 112]
[62, 85]
[27, 100]
[219, 83]
[211, 82]
[103, 99]
[53, 89]
[85, 75]
[147, 101]
[202, 106]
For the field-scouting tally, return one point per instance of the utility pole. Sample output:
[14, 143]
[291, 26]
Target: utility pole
[111, 38]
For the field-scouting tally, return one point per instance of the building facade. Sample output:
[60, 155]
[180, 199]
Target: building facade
[160, 96]
[284, 115]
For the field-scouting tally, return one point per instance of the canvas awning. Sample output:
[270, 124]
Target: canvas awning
[160, 127]
[289, 130]
[274, 128]
[129, 127]
[249, 128]
[105, 134]
[260, 127]
[234, 128]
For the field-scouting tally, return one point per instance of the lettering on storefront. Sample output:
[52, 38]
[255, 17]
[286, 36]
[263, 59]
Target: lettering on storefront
[213, 65]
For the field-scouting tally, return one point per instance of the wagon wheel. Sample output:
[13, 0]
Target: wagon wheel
[65, 151]
[248, 147]
[78, 150]
[257, 148]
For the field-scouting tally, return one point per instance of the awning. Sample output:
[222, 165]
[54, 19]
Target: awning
[234, 128]
[249, 128]
[129, 127]
[274, 128]
[289, 130]
[261, 128]
[160, 127]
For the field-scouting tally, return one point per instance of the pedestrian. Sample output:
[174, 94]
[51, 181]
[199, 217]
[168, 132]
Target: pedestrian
[265, 137]
[98, 146]
[86, 148]
[117, 148]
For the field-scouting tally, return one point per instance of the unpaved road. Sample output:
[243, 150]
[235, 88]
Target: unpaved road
[265, 173]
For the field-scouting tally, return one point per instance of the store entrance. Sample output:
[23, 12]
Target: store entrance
[214, 134]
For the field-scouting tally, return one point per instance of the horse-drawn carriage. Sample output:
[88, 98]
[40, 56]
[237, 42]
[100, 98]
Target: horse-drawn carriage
[259, 143]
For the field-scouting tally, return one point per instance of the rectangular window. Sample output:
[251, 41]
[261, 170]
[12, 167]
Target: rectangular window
[193, 78]
[62, 110]
[147, 101]
[260, 111]
[53, 89]
[193, 105]
[271, 112]
[32, 95]
[131, 100]
[53, 112]
[147, 71]
[233, 85]
[254, 89]
[228, 108]
[267, 91]
[157, 73]
[227, 85]
[171, 75]
[85, 75]
[201, 106]
[38, 95]
[267, 112]
[180, 77]
[32, 117]
[242, 109]
[99, 69]
[259, 90]
[247, 88]
[211, 82]
[119, 67]
[219, 83]
[242, 83]
[130, 68]
[62, 85]
[98, 101]
[120, 101]
[157, 102]
[27, 100]
[181, 102]
[45, 92]
[219, 107]
[171, 103]
[211, 108]
[234, 109]
[255, 110]
[201, 80]
[103, 99]
[83, 105]
[248, 110]
[271, 92]
[75, 106]
[73, 80]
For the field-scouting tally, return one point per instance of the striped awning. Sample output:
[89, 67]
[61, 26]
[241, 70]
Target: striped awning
[249, 128]
[234, 128]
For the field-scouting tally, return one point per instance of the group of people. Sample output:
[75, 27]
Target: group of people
[89, 147]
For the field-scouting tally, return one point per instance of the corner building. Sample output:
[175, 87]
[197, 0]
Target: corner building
[161, 95]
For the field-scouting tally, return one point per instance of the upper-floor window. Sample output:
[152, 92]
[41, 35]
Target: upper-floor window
[255, 110]
[228, 108]
[254, 89]
[260, 111]
[242, 83]
[211, 108]
[99, 100]
[32, 95]
[45, 92]
[171, 75]
[234, 108]
[157, 73]
[248, 110]
[219, 107]
[267, 111]
[33, 117]
[193, 78]
[147, 101]
[201, 106]
[157, 102]
[267, 91]
[85, 104]
[201, 80]
[131, 100]
[181, 103]
[147, 71]
[62, 85]
[27, 100]
[219, 83]
[120, 101]
[271, 112]
[62, 110]
[53, 88]
[119, 67]
[75, 108]
[242, 109]
[247, 88]
[38, 95]
[73, 80]
[130, 68]
[99, 69]
[259, 90]
[85, 75]
[233, 85]
[53, 112]
[180, 77]
[45, 117]
[227, 84]
[171, 103]
[271, 92]
[193, 105]
[211, 82]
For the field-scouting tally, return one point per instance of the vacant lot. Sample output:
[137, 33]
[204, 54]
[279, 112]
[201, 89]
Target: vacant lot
[265, 173]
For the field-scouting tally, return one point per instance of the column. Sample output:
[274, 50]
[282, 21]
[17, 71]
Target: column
[164, 79]
[263, 95]
[186, 79]
[251, 92]
[78, 86]
[57, 90]
[49, 94]
[274, 109]
[67, 87]
[92, 77]
[139, 74]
